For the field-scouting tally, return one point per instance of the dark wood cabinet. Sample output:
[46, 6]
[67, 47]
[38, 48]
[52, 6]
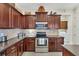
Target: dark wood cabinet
[51, 22]
[20, 48]
[30, 20]
[4, 15]
[29, 44]
[55, 44]
[63, 24]
[57, 21]
[23, 22]
[51, 45]
[41, 16]
[15, 18]
[14, 50]
[10, 17]
[67, 53]
[54, 21]
[11, 51]
[59, 41]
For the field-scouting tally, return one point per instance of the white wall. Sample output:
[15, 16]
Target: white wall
[67, 33]
[75, 36]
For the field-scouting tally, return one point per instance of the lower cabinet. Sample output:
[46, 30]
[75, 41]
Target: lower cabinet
[55, 44]
[29, 44]
[14, 50]
[11, 51]
[51, 44]
[20, 48]
[67, 53]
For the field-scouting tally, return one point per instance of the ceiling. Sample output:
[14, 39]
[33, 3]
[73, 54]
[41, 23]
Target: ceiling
[32, 7]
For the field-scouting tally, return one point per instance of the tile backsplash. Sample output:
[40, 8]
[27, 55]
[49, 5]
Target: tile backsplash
[10, 33]
[29, 32]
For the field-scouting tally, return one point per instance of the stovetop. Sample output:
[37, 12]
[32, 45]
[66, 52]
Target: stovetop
[41, 35]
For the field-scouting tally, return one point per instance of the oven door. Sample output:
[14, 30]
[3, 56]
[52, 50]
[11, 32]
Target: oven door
[42, 42]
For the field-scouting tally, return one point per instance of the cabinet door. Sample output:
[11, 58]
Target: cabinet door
[29, 44]
[4, 16]
[31, 20]
[26, 22]
[25, 44]
[41, 16]
[1, 15]
[14, 18]
[59, 41]
[63, 25]
[11, 51]
[51, 44]
[10, 17]
[51, 22]
[56, 21]
[20, 48]
[23, 22]
[19, 20]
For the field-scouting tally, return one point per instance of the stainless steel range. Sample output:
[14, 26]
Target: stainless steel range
[41, 42]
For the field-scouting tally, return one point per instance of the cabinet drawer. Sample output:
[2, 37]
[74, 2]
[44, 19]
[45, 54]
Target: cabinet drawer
[10, 49]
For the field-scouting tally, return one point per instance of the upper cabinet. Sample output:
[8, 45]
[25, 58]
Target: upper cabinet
[63, 24]
[4, 16]
[12, 18]
[15, 20]
[30, 21]
[57, 21]
[54, 21]
[41, 14]
[9, 16]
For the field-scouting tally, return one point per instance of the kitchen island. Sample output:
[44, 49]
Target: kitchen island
[70, 50]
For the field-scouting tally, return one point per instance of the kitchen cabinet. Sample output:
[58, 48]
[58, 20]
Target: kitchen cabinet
[14, 50]
[67, 53]
[55, 44]
[51, 44]
[59, 41]
[23, 22]
[41, 16]
[29, 44]
[15, 20]
[20, 48]
[31, 21]
[51, 22]
[54, 21]
[4, 15]
[57, 21]
[63, 24]
[10, 17]
[11, 51]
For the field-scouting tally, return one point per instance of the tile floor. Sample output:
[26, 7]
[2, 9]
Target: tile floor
[42, 54]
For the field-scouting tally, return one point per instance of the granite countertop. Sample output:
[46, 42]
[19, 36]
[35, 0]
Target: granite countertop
[5, 45]
[54, 36]
[74, 49]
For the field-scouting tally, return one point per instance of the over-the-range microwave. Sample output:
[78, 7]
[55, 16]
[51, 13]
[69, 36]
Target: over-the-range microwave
[41, 25]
